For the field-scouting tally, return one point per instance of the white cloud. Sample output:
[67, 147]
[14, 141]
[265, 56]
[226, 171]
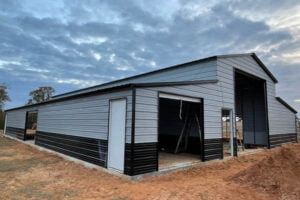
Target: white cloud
[125, 68]
[96, 55]
[89, 40]
[33, 69]
[297, 100]
[112, 58]
[73, 81]
[152, 64]
[3, 63]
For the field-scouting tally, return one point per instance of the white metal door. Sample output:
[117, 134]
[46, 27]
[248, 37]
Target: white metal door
[116, 140]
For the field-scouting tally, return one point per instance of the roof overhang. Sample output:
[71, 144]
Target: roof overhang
[105, 90]
[286, 105]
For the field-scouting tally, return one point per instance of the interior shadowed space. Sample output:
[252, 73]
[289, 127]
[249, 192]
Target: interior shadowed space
[180, 130]
[31, 125]
[251, 112]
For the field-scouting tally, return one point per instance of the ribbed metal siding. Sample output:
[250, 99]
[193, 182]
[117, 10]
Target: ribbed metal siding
[84, 117]
[16, 118]
[283, 120]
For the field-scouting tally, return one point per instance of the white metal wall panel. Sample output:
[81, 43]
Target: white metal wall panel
[283, 120]
[85, 116]
[16, 118]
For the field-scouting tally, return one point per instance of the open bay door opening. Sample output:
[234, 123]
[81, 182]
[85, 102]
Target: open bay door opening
[251, 111]
[116, 139]
[180, 130]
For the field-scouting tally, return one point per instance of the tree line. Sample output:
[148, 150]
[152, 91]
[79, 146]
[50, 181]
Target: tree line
[38, 95]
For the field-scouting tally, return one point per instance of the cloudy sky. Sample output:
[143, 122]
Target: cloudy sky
[72, 44]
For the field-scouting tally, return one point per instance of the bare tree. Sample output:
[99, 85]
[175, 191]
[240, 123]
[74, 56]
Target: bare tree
[40, 95]
[3, 98]
[3, 95]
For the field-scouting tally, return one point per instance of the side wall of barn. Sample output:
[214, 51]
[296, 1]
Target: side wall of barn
[77, 127]
[283, 128]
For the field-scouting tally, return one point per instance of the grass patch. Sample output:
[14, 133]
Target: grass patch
[6, 142]
[7, 154]
[38, 191]
[34, 191]
[19, 165]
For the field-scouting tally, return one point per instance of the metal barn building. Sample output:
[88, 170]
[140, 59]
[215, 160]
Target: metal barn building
[205, 109]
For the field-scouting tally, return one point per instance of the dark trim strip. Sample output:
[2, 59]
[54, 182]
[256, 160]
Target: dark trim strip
[159, 84]
[145, 158]
[262, 65]
[15, 132]
[132, 131]
[277, 140]
[158, 128]
[25, 125]
[267, 112]
[234, 115]
[87, 149]
[202, 130]
[286, 105]
[213, 149]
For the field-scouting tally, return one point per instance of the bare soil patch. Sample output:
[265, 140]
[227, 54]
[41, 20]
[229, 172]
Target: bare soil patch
[278, 173]
[27, 173]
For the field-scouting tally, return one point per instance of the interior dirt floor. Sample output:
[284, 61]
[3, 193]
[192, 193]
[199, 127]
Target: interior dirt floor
[27, 173]
[173, 161]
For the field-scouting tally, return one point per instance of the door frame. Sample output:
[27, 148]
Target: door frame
[108, 133]
[231, 141]
[26, 121]
[183, 97]
[265, 85]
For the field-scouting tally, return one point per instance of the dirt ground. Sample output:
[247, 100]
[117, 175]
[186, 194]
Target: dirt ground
[27, 173]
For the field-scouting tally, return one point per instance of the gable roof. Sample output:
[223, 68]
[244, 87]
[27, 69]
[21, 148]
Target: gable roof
[132, 78]
[118, 87]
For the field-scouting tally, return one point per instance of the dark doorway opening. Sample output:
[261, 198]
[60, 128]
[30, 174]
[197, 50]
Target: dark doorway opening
[180, 131]
[251, 111]
[31, 125]
[227, 137]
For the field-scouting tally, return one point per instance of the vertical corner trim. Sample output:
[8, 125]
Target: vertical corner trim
[202, 132]
[132, 130]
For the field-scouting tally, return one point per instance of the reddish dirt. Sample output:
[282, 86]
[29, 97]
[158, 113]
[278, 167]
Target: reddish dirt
[26, 173]
[278, 173]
